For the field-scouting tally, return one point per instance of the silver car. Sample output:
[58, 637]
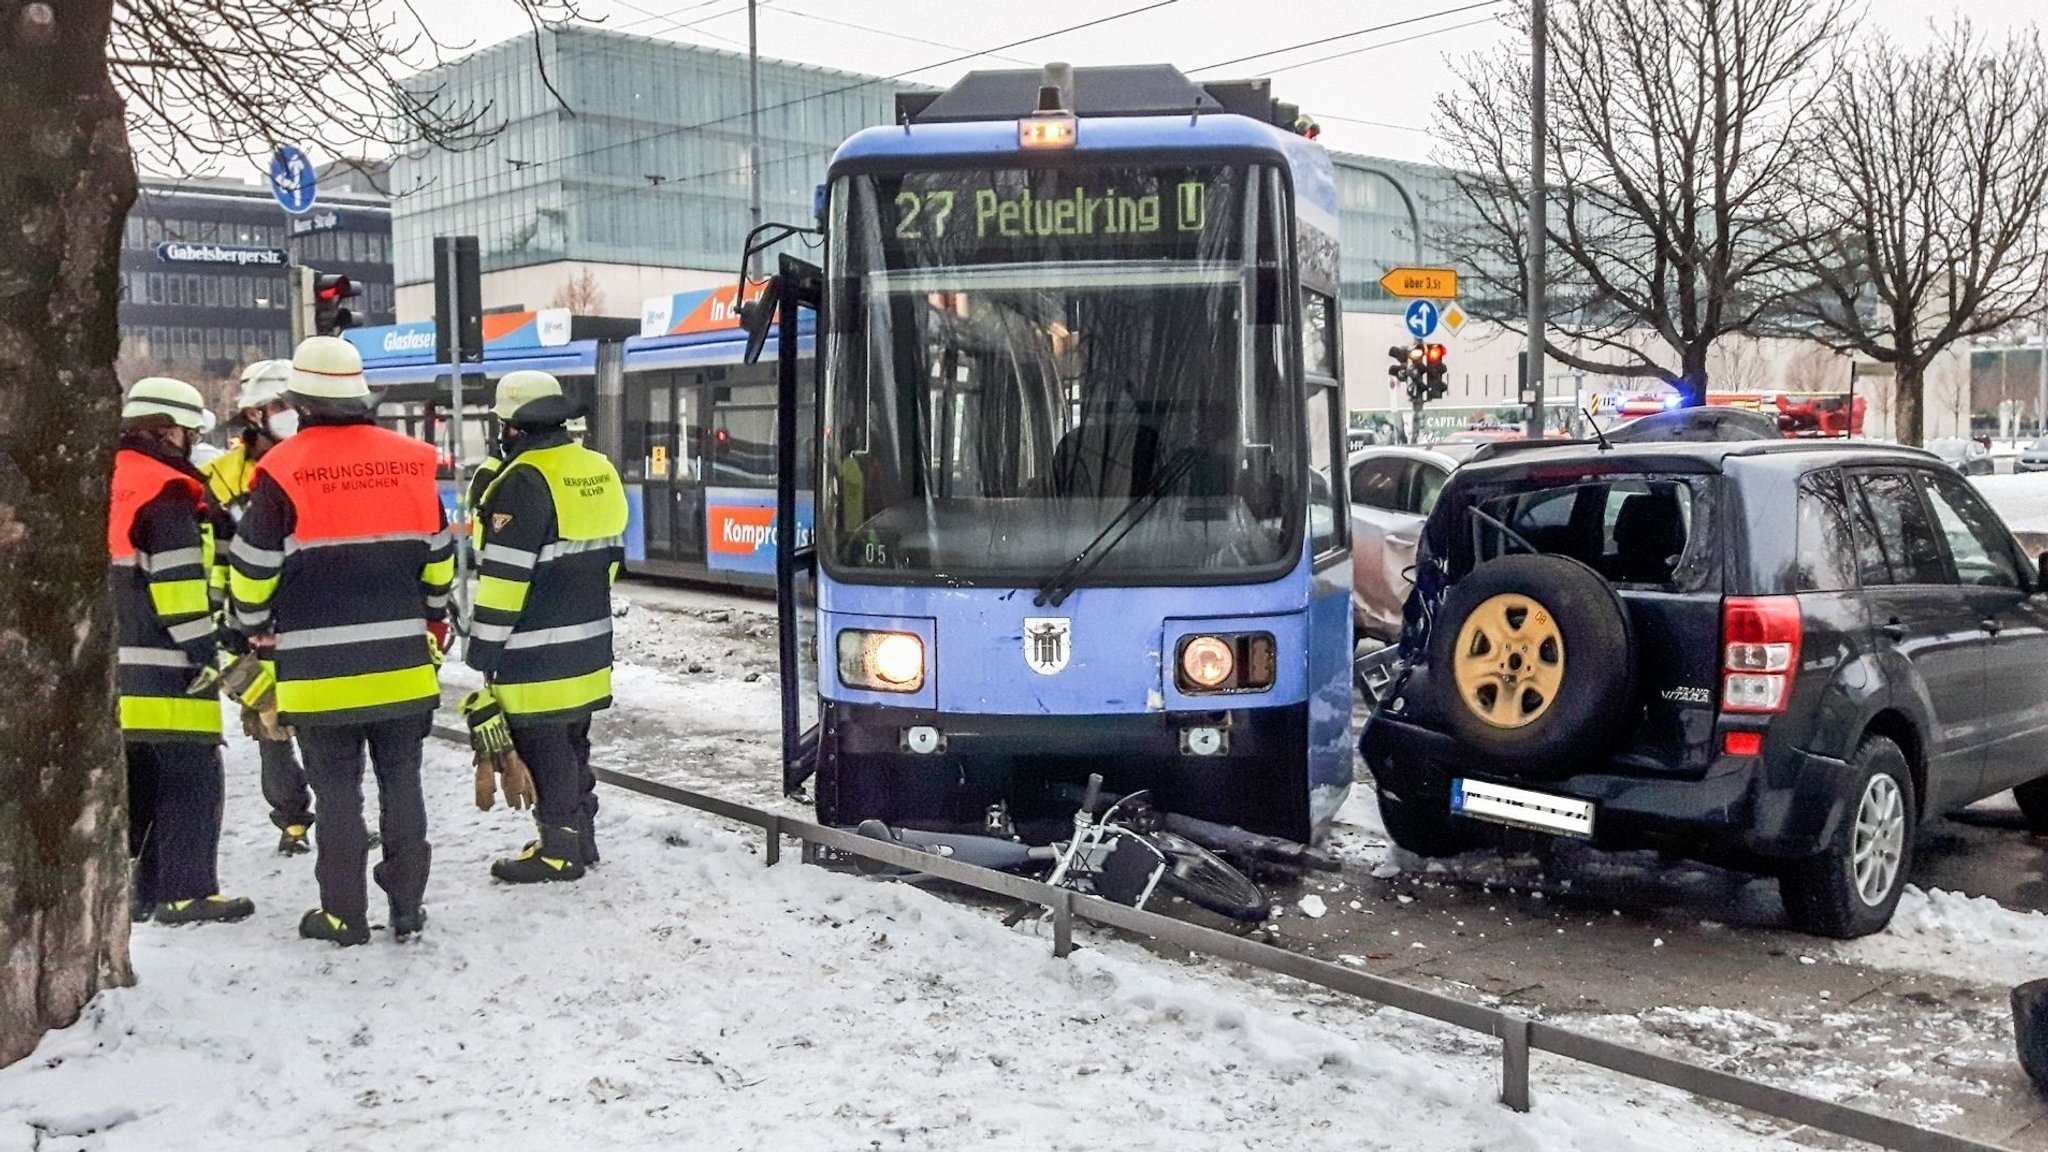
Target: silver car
[1392, 492]
[2034, 458]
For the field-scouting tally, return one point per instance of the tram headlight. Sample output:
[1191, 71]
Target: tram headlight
[881, 661]
[1229, 662]
[1206, 662]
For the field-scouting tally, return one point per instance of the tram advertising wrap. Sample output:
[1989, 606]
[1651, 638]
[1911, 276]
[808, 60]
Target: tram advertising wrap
[739, 528]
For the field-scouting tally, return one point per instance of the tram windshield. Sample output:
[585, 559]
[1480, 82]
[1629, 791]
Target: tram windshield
[1024, 363]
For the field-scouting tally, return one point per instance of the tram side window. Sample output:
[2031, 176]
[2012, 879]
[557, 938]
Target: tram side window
[742, 425]
[1326, 520]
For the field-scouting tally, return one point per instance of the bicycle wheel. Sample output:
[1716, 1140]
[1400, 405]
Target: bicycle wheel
[1203, 879]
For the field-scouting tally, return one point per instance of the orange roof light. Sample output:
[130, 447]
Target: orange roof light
[1055, 130]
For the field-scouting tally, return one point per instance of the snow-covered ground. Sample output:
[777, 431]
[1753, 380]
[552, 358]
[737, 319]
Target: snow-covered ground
[685, 996]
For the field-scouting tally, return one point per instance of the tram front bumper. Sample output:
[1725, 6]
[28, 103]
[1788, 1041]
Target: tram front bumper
[1246, 767]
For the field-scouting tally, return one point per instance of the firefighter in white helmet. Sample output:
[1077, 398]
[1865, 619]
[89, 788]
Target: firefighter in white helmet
[266, 419]
[160, 542]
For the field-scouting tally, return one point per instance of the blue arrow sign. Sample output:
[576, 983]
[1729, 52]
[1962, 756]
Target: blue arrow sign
[1421, 318]
[292, 181]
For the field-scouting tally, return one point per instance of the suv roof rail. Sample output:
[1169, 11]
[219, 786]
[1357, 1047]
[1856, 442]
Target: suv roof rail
[1495, 448]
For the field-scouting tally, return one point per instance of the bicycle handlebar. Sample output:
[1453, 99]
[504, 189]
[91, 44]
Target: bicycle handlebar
[1094, 794]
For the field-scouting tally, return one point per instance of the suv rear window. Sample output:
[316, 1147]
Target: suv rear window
[1632, 529]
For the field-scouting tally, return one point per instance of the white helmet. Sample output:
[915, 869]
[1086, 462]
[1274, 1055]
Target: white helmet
[263, 382]
[163, 396]
[327, 368]
[518, 389]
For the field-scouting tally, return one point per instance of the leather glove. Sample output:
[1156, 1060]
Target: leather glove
[245, 678]
[489, 734]
[519, 790]
[486, 781]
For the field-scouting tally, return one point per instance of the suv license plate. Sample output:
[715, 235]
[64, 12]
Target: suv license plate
[1521, 808]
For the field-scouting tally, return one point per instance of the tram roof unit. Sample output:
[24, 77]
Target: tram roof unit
[689, 349]
[1119, 111]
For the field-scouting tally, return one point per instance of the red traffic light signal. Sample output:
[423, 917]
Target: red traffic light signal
[1434, 353]
[330, 318]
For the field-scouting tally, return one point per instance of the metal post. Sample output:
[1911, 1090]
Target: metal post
[1514, 1057]
[753, 114]
[771, 853]
[459, 594]
[1538, 126]
[1062, 923]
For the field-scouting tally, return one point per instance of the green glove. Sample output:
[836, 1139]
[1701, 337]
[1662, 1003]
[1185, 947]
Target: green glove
[489, 734]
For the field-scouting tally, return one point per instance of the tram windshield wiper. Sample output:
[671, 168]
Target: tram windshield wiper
[1059, 585]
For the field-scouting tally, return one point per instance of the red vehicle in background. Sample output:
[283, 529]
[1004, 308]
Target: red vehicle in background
[1800, 415]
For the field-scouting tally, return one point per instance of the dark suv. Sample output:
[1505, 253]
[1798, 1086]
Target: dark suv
[1777, 656]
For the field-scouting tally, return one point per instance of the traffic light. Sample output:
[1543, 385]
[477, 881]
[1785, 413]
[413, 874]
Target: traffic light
[1433, 371]
[1397, 372]
[330, 314]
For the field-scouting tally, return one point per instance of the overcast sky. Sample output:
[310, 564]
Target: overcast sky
[1377, 101]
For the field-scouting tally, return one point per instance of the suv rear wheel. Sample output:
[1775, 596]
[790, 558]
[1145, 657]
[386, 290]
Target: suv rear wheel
[1851, 888]
[1531, 663]
[2033, 798]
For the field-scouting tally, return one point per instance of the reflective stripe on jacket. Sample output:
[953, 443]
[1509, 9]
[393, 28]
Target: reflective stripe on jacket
[550, 533]
[161, 549]
[344, 555]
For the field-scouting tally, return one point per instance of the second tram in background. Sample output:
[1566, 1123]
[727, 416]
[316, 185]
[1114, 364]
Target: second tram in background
[690, 426]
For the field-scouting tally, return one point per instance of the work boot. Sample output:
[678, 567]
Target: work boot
[292, 841]
[586, 833]
[557, 855]
[140, 910]
[318, 925]
[205, 908]
[406, 925]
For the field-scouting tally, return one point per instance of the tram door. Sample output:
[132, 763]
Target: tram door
[671, 470]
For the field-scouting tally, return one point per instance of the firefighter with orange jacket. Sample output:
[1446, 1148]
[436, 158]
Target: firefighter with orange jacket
[344, 558]
[160, 543]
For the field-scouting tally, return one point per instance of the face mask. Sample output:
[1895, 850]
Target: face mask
[281, 425]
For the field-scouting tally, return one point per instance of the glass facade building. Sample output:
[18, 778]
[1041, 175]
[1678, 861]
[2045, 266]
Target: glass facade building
[642, 160]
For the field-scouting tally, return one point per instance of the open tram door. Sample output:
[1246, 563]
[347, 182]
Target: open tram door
[796, 285]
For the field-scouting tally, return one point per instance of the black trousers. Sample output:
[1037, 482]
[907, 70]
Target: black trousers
[284, 784]
[558, 755]
[334, 770]
[175, 793]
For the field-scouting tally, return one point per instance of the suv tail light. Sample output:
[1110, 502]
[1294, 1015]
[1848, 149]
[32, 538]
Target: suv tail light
[1759, 652]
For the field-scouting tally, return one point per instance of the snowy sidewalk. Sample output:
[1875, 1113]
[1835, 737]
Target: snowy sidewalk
[684, 996]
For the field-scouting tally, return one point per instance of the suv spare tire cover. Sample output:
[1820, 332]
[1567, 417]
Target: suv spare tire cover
[1532, 665]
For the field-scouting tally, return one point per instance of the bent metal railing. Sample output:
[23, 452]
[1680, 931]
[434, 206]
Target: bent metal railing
[1519, 1035]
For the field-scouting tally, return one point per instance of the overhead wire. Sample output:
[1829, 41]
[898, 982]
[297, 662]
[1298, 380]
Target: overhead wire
[1346, 36]
[868, 82]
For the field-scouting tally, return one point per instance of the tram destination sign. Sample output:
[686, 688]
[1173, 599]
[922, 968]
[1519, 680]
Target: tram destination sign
[984, 216]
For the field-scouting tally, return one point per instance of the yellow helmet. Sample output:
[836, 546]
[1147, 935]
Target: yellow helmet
[328, 368]
[163, 396]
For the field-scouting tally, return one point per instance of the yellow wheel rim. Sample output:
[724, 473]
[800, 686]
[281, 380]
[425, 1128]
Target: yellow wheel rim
[1509, 661]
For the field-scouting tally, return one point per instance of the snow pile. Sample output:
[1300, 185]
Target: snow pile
[1947, 933]
[685, 996]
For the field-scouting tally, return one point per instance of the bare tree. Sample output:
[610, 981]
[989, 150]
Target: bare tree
[201, 79]
[1674, 123]
[1926, 205]
[580, 294]
[1816, 369]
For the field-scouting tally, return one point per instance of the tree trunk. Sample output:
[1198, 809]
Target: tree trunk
[1909, 404]
[1692, 383]
[66, 181]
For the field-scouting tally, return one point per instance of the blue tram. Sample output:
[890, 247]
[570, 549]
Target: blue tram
[690, 425]
[1078, 415]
